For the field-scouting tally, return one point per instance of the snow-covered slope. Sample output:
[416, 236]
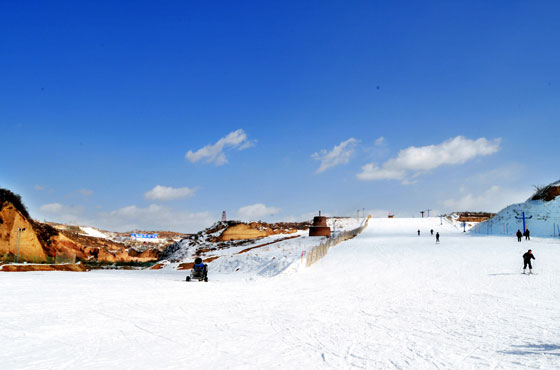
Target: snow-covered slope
[266, 256]
[410, 226]
[544, 221]
[387, 299]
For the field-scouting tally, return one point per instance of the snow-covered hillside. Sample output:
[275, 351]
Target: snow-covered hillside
[266, 256]
[544, 219]
[90, 231]
[387, 299]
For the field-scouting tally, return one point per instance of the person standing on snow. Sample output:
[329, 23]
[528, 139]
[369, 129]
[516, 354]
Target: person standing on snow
[519, 235]
[437, 237]
[527, 234]
[432, 232]
[527, 257]
[418, 232]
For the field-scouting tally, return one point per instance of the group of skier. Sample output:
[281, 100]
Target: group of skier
[526, 234]
[432, 233]
[527, 257]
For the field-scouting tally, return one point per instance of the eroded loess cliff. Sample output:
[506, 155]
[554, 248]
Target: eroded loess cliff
[40, 242]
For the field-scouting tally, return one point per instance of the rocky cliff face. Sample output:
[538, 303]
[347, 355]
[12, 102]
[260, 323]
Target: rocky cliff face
[30, 248]
[39, 242]
[254, 230]
[547, 193]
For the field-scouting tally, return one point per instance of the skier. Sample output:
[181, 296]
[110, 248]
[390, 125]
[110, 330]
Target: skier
[432, 232]
[527, 234]
[418, 232]
[527, 257]
[437, 237]
[519, 235]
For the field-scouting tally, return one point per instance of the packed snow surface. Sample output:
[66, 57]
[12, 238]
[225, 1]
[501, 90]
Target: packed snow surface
[387, 299]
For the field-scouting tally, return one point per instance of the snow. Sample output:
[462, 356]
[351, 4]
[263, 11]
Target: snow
[90, 231]
[385, 299]
[545, 221]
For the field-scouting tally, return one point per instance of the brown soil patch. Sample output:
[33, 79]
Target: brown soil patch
[26, 268]
[157, 266]
[265, 244]
[548, 193]
[474, 216]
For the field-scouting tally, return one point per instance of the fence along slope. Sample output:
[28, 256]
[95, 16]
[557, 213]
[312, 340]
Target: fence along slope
[322, 249]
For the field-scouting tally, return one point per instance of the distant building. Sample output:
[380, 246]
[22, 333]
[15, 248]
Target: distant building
[144, 236]
[320, 227]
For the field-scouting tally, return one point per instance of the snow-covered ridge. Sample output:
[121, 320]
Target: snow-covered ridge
[90, 231]
[542, 217]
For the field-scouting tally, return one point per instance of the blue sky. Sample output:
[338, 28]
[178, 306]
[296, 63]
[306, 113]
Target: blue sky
[286, 108]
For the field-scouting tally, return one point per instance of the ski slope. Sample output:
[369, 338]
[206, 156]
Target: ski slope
[387, 299]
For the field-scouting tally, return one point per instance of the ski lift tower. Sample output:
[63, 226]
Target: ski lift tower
[524, 218]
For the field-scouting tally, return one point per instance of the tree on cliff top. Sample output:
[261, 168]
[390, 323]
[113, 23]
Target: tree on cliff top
[546, 192]
[7, 196]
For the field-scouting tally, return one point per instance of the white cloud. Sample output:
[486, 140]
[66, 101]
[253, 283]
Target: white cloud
[165, 193]
[154, 217]
[379, 141]
[256, 211]
[371, 171]
[85, 192]
[492, 200]
[51, 208]
[61, 213]
[215, 153]
[340, 154]
[57, 208]
[413, 161]
[39, 187]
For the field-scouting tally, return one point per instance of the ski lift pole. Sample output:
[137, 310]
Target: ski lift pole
[523, 218]
[19, 231]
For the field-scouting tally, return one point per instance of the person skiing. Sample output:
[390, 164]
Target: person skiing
[527, 257]
[418, 232]
[519, 235]
[432, 232]
[527, 234]
[437, 237]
